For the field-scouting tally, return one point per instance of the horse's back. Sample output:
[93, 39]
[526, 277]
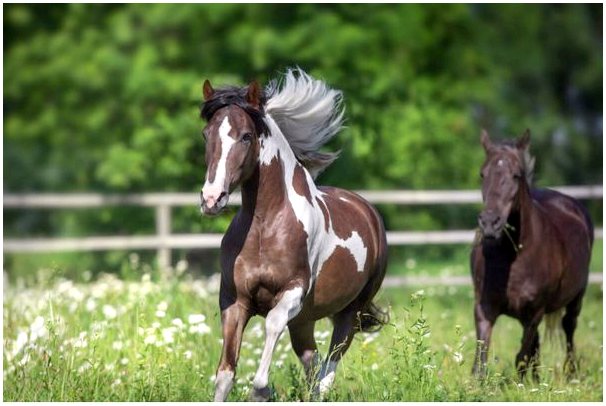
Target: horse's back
[569, 217]
[350, 212]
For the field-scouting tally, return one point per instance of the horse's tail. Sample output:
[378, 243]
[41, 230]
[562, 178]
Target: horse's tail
[372, 318]
[552, 323]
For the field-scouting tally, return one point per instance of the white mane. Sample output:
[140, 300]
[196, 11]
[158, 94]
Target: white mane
[308, 113]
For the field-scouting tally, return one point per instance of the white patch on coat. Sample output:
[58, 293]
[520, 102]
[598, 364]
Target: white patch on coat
[320, 243]
[212, 190]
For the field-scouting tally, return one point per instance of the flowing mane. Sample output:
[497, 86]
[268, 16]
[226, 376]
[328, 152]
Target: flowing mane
[309, 113]
[306, 110]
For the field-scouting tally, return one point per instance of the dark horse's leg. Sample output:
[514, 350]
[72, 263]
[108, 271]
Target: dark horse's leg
[529, 353]
[484, 322]
[569, 324]
[304, 345]
[233, 319]
[340, 341]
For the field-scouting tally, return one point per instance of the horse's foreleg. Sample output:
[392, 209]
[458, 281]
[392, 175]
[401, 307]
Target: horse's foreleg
[233, 321]
[484, 323]
[288, 307]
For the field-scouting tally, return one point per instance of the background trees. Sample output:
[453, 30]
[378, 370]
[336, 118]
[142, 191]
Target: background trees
[106, 97]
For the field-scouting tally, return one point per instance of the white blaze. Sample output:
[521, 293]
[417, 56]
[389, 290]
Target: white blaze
[212, 190]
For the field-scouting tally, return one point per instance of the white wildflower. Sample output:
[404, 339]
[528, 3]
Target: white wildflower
[117, 345]
[81, 341]
[177, 322]
[37, 329]
[201, 328]
[187, 354]
[458, 357]
[374, 366]
[196, 318]
[160, 313]
[124, 361]
[162, 306]
[168, 334]
[109, 312]
[150, 339]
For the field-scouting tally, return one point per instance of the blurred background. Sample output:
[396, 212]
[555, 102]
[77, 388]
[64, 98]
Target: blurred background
[105, 99]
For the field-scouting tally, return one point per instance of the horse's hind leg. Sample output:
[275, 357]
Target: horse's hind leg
[529, 353]
[343, 333]
[304, 345]
[569, 324]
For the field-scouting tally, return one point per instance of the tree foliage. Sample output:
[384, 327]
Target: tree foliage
[106, 97]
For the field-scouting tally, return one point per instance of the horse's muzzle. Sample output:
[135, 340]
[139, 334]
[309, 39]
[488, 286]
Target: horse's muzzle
[491, 224]
[211, 206]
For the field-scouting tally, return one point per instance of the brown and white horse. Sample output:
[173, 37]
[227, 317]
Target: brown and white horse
[294, 252]
[533, 260]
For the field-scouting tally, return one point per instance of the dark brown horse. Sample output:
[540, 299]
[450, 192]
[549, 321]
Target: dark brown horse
[533, 259]
[294, 252]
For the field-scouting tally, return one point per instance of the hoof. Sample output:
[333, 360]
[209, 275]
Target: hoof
[260, 395]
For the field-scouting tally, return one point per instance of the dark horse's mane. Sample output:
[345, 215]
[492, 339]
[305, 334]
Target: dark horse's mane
[232, 95]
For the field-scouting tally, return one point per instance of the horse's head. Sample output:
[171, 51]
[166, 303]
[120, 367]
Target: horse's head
[234, 124]
[507, 168]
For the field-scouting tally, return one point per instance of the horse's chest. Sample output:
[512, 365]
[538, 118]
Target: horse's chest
[529, 288]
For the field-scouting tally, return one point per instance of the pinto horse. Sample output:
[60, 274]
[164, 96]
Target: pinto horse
[294, 252]
[533, 257]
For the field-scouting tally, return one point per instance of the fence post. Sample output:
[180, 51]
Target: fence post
[163, 229]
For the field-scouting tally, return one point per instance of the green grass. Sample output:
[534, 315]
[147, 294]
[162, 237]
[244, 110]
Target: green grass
[140, 340]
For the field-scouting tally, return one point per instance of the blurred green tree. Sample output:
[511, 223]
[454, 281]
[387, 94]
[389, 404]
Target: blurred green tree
[106, 97]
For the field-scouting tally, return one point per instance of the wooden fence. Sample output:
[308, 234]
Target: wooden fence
[164, 240]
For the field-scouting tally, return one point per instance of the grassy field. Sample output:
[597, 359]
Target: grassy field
[157, 338]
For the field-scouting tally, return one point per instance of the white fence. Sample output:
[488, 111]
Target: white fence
[164, 241]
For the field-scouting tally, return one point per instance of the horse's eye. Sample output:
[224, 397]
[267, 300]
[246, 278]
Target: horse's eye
[247, 137]
[481, 175]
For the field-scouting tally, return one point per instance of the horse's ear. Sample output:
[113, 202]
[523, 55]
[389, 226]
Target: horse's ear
[207, 90]
[253, 97]
[524, 141]
[485, 140]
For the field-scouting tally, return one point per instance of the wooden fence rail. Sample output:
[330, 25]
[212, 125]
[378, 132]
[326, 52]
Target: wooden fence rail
[164, 241]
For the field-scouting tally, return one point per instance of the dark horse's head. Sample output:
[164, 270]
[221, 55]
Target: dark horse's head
[234, 124]
[508, 168]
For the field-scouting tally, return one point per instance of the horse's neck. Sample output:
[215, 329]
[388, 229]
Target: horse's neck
[272, 183]
[520, 218]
